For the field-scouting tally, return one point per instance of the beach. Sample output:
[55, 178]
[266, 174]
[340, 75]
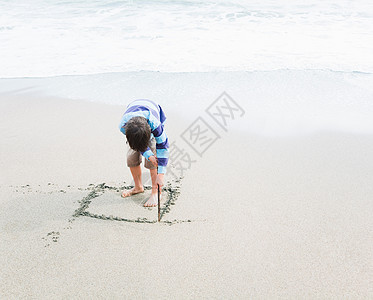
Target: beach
[268, 191]
[291, 218]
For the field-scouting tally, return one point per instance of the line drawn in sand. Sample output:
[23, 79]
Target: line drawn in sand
[172, 192]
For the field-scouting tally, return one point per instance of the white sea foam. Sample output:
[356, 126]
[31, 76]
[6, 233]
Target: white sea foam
[47, 38]
[276, 103]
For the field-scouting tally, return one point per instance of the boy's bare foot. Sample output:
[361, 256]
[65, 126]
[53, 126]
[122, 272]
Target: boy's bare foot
[152, 201]
[134, 191]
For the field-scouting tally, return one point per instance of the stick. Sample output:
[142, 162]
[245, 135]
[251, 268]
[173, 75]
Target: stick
[159, 205]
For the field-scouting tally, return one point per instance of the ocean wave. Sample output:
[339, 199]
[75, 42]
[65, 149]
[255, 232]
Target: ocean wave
[88, 37]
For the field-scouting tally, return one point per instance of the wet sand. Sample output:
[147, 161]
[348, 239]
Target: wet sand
[292, 218]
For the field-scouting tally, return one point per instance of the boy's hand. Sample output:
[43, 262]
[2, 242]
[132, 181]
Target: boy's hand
[153, 160]
[159, 180]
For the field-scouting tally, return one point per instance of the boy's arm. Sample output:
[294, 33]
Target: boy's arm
[147, 153]
[162, 148]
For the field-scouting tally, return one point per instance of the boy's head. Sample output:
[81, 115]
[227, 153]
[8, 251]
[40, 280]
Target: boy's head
[138, 133]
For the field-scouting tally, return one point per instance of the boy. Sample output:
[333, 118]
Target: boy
[142, 124]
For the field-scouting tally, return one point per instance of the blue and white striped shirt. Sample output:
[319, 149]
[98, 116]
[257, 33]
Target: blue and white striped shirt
[156, 118]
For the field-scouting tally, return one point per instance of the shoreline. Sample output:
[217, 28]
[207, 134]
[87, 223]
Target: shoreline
[353, 71]
[276, 103]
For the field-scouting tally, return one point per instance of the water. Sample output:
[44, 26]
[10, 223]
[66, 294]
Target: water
[40, 38]
[295, 67]
[276, 103]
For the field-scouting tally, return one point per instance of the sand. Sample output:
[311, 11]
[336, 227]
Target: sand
[255, 217]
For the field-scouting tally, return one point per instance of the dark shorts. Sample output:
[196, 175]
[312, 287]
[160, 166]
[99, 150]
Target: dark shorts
[134, 158]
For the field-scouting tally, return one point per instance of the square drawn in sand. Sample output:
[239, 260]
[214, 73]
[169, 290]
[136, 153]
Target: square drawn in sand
[112, 204]
[105, 202]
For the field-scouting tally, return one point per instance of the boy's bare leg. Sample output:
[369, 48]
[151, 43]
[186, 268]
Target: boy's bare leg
[136, 174]
[153, 200]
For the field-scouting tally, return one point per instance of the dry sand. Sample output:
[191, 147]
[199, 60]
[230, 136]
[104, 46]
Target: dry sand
[291, 218]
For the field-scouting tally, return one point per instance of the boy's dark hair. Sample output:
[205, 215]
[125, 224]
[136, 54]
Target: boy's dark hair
[138, 133]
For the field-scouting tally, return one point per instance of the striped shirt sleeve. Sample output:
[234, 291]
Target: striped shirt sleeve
[161, 148]
[147, 153]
